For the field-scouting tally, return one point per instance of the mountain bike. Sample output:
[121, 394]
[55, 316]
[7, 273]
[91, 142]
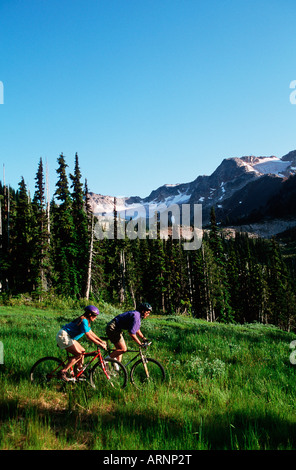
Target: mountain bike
[97, 371]
[145, 371]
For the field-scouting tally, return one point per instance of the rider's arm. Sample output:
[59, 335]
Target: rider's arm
[134, 330]
[139, 333]
[95, 339]
[135, 337]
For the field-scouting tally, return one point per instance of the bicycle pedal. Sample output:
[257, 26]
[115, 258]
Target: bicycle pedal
[71, 379]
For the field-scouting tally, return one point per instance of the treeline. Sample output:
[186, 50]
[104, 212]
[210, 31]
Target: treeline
[45, 245]
[237, 279]
[50, 248]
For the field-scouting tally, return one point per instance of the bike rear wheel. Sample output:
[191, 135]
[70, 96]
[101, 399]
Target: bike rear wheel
[116, 372]
[46, 371]
[150, 374]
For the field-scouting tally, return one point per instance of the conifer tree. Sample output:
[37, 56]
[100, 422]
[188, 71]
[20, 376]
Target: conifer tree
[81, 234]
[233, 276]
[4, 253]
[156, 274]
[212, 288]
[41, 235]
[134, 272]
[222, 307]
[196, 275]
[177, 294]
[63, 235]
[281, 297]
[21, 246]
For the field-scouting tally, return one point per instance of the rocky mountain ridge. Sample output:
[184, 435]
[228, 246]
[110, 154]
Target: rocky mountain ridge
[241, 190]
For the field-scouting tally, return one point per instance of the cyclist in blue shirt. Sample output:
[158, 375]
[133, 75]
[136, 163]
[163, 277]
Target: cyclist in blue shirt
[130, 321]
[67, 337]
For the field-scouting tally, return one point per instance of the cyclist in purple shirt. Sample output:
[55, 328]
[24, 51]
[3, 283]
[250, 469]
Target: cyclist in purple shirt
[130, 321]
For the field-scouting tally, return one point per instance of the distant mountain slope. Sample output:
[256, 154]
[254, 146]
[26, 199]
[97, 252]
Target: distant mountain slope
[243, 190]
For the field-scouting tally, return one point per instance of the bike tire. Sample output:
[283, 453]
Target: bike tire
[156, 374]
[118, 378]
[45, 371]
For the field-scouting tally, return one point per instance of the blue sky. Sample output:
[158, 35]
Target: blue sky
[147, 92]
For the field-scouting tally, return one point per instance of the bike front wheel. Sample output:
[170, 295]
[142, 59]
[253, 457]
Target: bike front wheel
[150, 373]
[115, 375]
[45, 371]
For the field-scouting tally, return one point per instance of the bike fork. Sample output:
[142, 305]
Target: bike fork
[143, 358]
[104, 367]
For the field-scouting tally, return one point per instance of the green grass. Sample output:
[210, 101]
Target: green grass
[228, 387]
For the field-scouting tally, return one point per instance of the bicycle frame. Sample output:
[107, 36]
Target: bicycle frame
[139, 353]
[95, 354]
[49, 367]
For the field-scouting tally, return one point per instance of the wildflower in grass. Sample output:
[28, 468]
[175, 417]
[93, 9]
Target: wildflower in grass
[205, 368]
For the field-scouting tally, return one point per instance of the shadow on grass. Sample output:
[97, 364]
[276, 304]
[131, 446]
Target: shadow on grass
[119, 429]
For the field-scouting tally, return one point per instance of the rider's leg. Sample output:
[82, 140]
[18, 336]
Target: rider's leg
[116, 337]
[120, 349]
[77, 350]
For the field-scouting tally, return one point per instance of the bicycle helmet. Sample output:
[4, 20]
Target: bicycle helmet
[144, 307]
[92, 310]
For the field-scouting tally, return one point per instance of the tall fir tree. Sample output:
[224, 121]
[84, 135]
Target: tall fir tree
[41, 258]
[21, 243]
[81, 241]
[223, 310]
[63, 235]
[281, 298]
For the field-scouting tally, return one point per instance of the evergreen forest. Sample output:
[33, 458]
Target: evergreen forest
[48, 248]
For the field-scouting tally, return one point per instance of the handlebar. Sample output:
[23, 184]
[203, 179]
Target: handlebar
[145, 344]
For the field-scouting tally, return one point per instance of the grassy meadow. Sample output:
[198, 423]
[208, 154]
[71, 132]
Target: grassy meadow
[228, 387]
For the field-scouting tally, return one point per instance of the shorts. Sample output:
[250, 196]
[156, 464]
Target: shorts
[63, 339]
[114, 334]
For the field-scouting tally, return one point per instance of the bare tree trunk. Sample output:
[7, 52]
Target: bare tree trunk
[133, 296]
[88, 281]
[190, 285]
[47, 205]
[122, 277]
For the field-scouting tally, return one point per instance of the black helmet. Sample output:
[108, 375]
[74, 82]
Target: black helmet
[144, 307]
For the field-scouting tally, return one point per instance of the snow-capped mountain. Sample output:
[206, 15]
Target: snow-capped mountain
[238, 187]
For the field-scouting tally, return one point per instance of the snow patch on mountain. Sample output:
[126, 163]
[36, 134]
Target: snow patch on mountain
[232, 175]
[267, 165]
[272, 165]
[179, 198]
